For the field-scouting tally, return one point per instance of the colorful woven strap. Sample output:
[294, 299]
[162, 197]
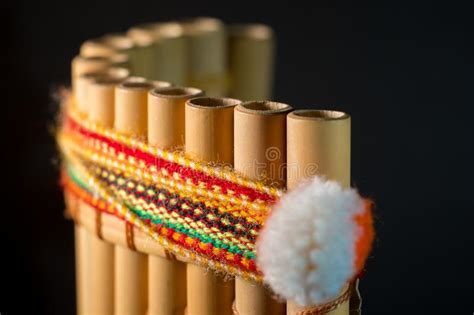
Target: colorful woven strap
[211, 212]
[208, 213]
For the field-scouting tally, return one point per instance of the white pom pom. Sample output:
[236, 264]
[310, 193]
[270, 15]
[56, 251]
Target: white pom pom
[306, 250]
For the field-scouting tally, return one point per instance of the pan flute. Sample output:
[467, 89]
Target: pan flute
[188, 200]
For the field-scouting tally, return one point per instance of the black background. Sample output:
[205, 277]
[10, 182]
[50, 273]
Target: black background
[404, 73]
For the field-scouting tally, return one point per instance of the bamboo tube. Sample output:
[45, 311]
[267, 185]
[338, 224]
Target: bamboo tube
[318, 143]
[97, 256]
[170, 59]
[135, 79]
[251, 54]
[101, 288]
[131, 266]
[93, 257]
[120, 60]
[160, 84]
[72, 204]
[81, 65]
[101, 97]
[83, 269]
[209, 129]
[259, 153]
[143, 39]
[207, 55]
[119, 42]
[167, 277]
[123, 45]
[81, 89]
[320, 138]
[130, 292]
[106, 46]
[84, 81]
[166, 107]
[96, 48]
[131, 108]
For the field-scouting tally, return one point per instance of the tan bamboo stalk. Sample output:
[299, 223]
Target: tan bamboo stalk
[166, 108]
[167, 276]
[160, 84]
[169, 52]
[99, 93]
[318, 143]
[209, 130]
[106, 46]
[123, 45]
[259, 153]
[251, 58]
[119, 42]
[207, 55]
[83, 269]
[81, 65]
[144, 61]
[94, 258]
[136, 79]
[72, 205]
[97, 47]
[131, 266]
[101, 97]
[84, 81]
[120, 60]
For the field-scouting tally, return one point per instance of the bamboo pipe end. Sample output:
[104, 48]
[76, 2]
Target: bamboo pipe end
[160, 84]
[119, 59]
[212, 103]
[176, 92]
[135, 86]
[83, 81]
[90, 59]
[167, 30]
[117, 73]
[318, 143]
[318, 114]
[118, 41]
[202, 25]
[113, 73]
[81, 64]
[166, 115]
[260, 140]
[131, 108]
[209, 127]
[141, 35]
[252, 31]
[135, 79]
[263, 108]
[96, 47]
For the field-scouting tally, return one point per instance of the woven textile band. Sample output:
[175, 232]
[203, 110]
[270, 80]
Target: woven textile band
[208, 214]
